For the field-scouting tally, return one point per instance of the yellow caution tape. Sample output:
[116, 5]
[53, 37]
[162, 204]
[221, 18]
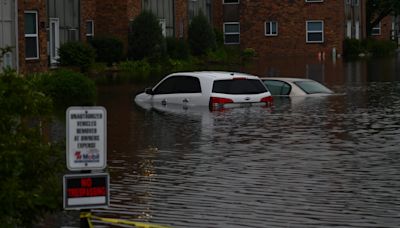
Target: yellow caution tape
[89, 216]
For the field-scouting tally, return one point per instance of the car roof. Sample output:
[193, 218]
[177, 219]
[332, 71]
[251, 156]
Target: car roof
[287, 79]
[216, 74]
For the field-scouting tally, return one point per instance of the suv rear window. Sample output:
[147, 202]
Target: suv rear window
[239, 86]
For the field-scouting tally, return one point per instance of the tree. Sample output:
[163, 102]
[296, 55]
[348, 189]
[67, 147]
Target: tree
[145, 37]
[201, 35]
[29, 166]
[379, 9]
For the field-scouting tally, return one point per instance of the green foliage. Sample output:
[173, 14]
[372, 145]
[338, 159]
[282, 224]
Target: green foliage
[3, 51]
[145, 37]
[377, 48]
[219, 37]
[67, 88]
[380, 48]
[201, 36]
[135, 70]
[248, 54]
[29, 168]
[108, 49]
[177, 48]
[77, 54]
[218, 55]
[352, 48]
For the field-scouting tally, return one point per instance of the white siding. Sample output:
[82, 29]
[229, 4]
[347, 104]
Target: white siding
[7, 31]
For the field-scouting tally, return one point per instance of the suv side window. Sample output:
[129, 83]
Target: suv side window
[278, 87]
[179, 84]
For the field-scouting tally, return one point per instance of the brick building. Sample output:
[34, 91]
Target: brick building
[294, 27]
[36, 29]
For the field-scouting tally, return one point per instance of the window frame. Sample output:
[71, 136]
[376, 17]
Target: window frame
[91, 35]
[378, 28]
[270, 23]
[33, 35]
[308, 32]
[232, 3]
[231, 33]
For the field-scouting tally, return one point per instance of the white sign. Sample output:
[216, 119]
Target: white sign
[86, 138]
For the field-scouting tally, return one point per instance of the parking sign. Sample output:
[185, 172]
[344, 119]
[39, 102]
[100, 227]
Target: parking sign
[86, 138]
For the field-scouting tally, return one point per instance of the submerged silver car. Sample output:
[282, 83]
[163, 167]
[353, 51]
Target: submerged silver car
[295, 87]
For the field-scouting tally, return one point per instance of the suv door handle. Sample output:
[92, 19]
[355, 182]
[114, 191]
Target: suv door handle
[185, 100]
[164, 102]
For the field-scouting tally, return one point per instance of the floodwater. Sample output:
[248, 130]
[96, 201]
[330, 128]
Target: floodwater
[307, 162]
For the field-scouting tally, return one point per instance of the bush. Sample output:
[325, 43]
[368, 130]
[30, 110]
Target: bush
[380, 48]
[201, 36]
[352, 48]
[135, 70]
[29, 168]
[145, 37]
[77, 54]
[177, 48]
[108, 49]
[67, 88]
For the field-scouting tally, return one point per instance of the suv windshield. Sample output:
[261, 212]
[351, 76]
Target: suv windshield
[239, 86]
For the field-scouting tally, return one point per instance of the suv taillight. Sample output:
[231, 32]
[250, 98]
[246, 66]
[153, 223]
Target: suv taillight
[267, 100]
[217, 103]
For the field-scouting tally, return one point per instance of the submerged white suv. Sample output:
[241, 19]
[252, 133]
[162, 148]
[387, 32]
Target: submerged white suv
[217, 90]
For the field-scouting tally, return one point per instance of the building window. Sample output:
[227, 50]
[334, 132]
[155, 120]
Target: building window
[314, 0]
[31, 35]
[356, 2]
[376, 31]
[232, 33]
[231, 1]
[315, 31]
[89, 29]
[271, 28]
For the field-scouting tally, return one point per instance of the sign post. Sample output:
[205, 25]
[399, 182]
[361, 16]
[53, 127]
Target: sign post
[86, 139]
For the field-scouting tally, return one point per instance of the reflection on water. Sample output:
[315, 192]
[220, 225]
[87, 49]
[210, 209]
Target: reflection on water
[308, 162]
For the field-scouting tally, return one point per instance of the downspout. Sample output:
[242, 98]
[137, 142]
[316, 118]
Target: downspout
[16, 37]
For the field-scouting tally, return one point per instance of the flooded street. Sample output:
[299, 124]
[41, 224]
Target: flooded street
[307, 162]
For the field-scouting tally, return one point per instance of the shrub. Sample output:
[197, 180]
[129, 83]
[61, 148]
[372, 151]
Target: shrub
[135, 70]
[145, 37]
[177, 48]
[201, 36]
[67, 88]
[76, 54]
[352, 48]
[29, 168]
[108, 49]
[380, 48]
[219, 37]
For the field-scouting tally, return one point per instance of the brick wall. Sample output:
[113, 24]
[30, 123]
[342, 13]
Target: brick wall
[88, 12]
[386, 27]
[112, 18]
[181, 18]
[291, 17]
[40, 64]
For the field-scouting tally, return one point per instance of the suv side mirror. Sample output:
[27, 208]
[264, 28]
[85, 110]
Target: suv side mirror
[149, 91]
